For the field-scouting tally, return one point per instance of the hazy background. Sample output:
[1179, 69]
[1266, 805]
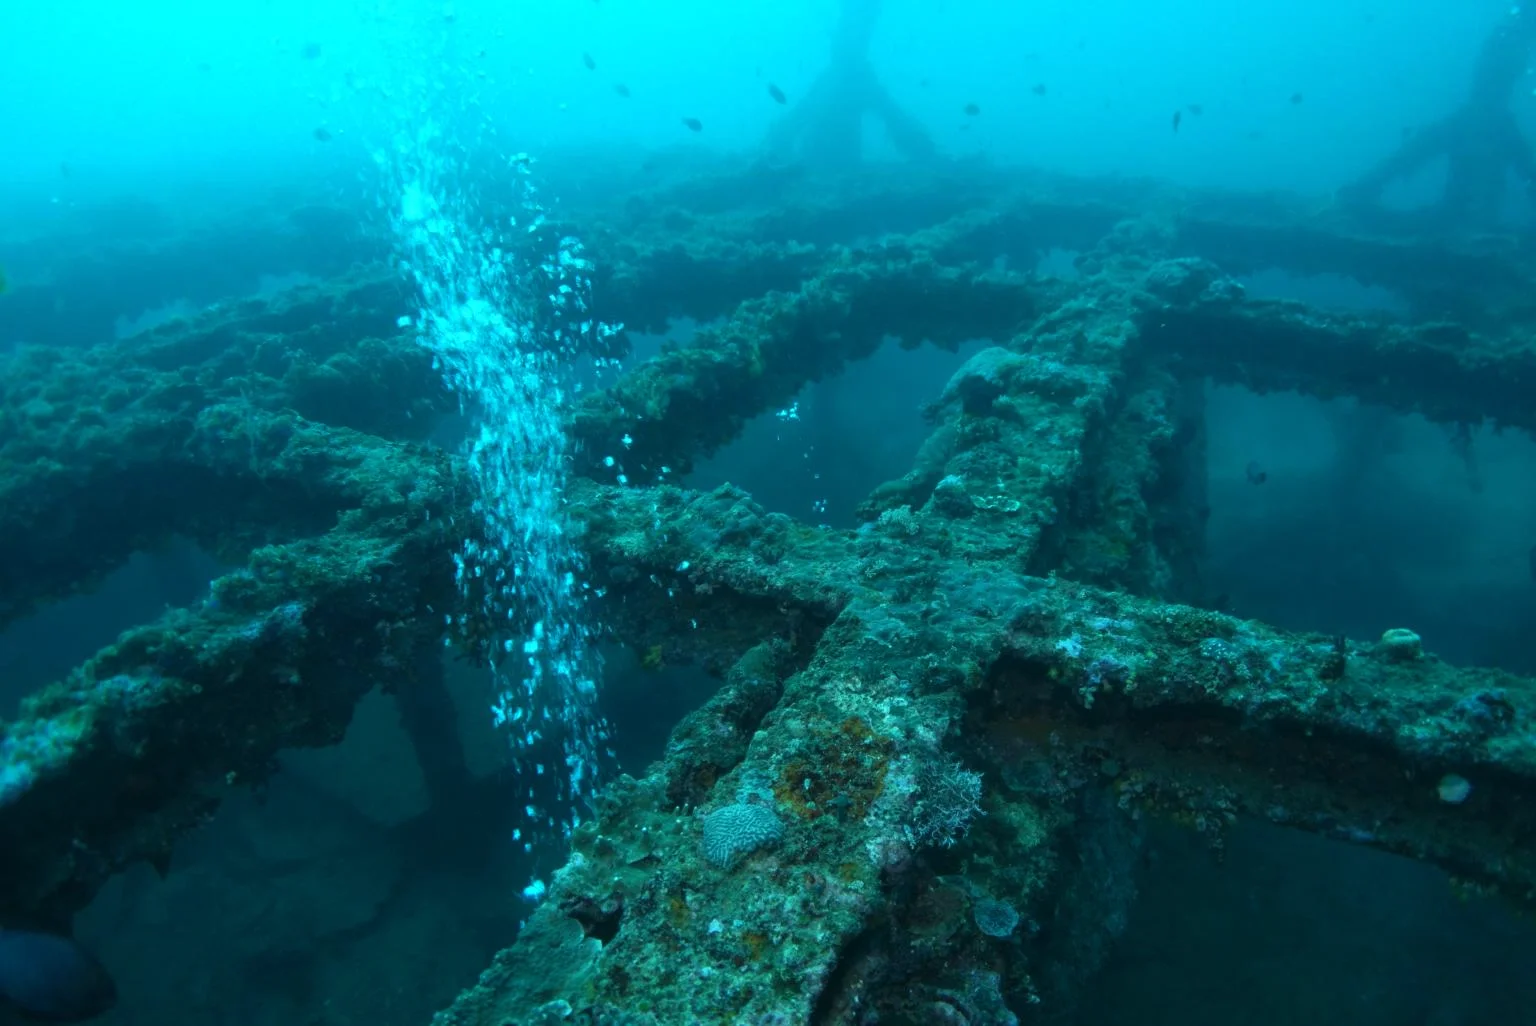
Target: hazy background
[162, 92]
[1366, 520]
[305, 902]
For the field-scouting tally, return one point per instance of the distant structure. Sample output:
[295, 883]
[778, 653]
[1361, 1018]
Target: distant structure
[1481, 140]
[825, 128]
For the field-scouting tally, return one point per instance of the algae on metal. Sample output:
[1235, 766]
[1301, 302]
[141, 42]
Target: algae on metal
[956, 711]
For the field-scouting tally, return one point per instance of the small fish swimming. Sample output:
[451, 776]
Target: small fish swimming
[1257, 475]
[693, 124]
[586, 59]
[52, 978]
[621, 89]
[1038, 89]
[972, 109]
[1295, 97]
[1178, 116]
[311, 52]
[777, 94]
[323, 134]
[1195, 109]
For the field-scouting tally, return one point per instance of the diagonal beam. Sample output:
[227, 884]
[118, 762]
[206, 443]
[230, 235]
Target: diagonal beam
[1024, 213]
[112, 764]
[688, 401]
[1064, 451]
[1088, 650]
[88, 434]
[1445, 371]
[1059, 691]
[936, 613]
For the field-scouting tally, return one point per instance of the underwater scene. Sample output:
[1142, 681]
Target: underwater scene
[826, 512]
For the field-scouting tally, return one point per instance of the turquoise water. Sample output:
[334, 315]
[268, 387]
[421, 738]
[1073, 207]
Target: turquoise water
[842, 512]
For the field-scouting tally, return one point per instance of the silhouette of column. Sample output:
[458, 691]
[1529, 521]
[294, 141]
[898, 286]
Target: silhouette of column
[1481, 140]
[825, 128]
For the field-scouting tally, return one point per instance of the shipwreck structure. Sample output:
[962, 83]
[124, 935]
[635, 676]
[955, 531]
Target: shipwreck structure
[934, 734]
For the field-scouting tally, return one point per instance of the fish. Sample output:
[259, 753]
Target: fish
[621, 89]
[693, 124]
[1295, 97]
[1178, 116]
[1195, 109]
[777, 94]
[1257, 475]
[972, 109]
[311, 52]
[1038, 89]
[322, 134]
[49, 977]
[1453, 789]
[586, 59]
